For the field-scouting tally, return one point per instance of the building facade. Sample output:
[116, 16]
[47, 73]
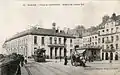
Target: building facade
[56, 43]
[90, 43]
[109, 37]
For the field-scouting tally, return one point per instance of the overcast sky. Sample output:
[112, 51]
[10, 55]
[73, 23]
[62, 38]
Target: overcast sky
[14, 17]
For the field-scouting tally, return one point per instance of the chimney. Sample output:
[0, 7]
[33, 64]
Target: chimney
[58, 29]
[114, 16]
[54, 25]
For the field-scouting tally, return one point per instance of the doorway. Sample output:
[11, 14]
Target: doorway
[102, 56]
[51, 49]
[111, 56]
[106, 56]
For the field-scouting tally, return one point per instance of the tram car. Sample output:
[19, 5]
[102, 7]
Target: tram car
[39, 55]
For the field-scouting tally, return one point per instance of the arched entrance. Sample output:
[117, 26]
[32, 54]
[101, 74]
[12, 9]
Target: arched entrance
[111, 56]
[106, 56]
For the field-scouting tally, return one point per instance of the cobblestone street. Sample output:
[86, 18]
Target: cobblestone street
[55, 67]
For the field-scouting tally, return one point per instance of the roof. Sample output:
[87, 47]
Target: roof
[90, 33]
[41, 31]
[117, 19]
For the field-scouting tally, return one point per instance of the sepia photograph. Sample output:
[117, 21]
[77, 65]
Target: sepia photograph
[59, 37]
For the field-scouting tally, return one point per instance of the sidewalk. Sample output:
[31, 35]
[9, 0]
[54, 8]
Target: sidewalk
[24, 71]
[104, 62]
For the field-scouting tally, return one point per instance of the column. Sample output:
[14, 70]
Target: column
[58, 53]
[53, 53]
[62, 52]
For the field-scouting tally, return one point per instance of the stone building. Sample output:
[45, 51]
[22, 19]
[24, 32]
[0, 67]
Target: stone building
[56, 42]
[109, 37]
[90, 44]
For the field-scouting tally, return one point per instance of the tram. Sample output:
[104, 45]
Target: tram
[39, 55]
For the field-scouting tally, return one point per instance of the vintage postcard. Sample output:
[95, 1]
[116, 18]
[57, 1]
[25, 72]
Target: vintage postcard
[59, 37]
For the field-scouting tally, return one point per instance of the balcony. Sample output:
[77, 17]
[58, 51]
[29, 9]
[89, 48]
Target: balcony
[90, 46]
[57, 45]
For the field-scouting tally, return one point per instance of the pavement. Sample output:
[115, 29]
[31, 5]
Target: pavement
[57, 67]
[24, 71]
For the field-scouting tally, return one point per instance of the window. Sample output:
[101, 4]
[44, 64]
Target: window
[95, 43]
[90, 39]
[102, 30]
[111, 30]
[43, 41]
[98, 40]
[59, 40]
[117, 29]
[95, 36]
[99, 33]
[65, 40]
[112, 39]
[111, 46]
[107, 39]
[102, 40]
[107, 30]
[116, 46]
[117, 37]
[70, 40]
[107, 47]
[50, 40]
[35, 39]
[55, 39]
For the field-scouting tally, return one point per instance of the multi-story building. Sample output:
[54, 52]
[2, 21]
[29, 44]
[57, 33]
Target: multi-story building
[56, 42]
[109, 37]
[90, 43]
[90, 39]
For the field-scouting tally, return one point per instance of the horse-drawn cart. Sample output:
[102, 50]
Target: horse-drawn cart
[77, 58]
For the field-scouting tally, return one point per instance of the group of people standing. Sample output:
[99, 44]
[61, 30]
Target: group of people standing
[12, 64]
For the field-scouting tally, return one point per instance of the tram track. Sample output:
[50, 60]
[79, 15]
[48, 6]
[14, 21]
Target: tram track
[28, 71]
[45, 69]
[57, 71]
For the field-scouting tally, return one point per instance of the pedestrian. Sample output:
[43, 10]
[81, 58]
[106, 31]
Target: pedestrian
[25, 60]
[65, 63]
[22, 60]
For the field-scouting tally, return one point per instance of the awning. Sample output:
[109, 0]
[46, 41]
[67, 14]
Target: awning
[80, 51]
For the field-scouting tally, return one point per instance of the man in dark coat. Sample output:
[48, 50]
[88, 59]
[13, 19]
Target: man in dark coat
[22, 60]
[65, 63]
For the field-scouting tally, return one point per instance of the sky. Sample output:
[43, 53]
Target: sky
[15, 17]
